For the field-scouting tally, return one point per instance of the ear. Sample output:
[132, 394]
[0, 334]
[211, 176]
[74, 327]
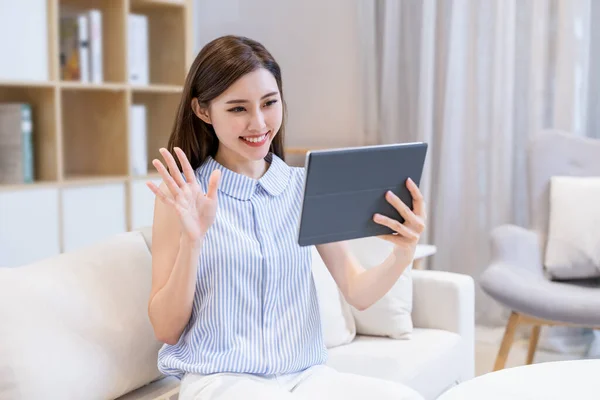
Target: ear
[201, 112]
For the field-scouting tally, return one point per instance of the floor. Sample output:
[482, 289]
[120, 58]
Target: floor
[488, 342]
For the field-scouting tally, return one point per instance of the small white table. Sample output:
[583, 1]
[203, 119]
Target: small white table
[422, 251]
[578, 379]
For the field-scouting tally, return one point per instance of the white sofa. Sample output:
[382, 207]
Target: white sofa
[75, 326]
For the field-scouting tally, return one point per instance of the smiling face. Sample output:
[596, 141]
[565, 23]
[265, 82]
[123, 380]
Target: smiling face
[246, 117]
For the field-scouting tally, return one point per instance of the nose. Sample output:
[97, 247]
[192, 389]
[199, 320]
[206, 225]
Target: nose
[257, 122]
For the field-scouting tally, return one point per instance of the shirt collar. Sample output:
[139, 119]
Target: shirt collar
[242, 187]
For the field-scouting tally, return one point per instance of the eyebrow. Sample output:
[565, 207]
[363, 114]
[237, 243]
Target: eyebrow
[245, 101]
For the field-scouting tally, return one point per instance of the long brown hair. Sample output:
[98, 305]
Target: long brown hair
[218, 65]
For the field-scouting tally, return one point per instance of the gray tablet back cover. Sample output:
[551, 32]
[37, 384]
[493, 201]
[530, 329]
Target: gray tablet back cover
[344, 188]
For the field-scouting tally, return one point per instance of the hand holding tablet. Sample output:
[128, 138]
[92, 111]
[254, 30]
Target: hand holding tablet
[346, 188]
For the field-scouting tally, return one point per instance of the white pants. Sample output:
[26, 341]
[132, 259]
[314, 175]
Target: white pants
[318, 382]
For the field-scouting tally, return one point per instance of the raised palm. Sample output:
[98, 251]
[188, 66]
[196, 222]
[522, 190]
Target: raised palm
[196, 210]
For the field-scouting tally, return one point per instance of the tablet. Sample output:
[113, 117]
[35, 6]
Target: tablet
[344, 188]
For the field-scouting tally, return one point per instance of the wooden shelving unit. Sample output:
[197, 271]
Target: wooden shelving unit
[81, 131]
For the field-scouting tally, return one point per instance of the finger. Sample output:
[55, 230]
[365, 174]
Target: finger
[190, 177]
[402, 208]
[173, 168]
[167, 178]
[213, 184]
[160, 194]
[396, 226]
[418, 200]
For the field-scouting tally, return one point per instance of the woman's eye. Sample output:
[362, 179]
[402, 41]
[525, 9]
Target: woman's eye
[242, 109]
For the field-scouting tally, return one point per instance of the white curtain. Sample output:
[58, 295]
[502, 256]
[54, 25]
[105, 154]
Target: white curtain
[476, 79]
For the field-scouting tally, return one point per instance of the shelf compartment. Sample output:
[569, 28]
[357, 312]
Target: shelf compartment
[94, 133]
[161, 109]
[92, 213]
[44, 132]
[167, 41]
[113, 33]
[142, 202]
[29, 225]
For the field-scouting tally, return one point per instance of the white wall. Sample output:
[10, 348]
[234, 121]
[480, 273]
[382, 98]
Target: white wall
[315, 43]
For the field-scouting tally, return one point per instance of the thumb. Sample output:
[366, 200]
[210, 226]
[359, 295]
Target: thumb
[213, 184]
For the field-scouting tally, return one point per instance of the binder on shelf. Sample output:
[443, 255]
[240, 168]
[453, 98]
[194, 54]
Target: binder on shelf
[16, 143]
[96, 70]
[138, 155]
[137, 54]
[83, 47]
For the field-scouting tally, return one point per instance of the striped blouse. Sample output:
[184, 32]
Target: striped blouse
[255, 308]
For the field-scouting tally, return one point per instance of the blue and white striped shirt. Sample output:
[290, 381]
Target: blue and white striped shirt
[255, 308]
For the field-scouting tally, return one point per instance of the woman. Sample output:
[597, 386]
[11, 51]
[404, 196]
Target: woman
[232, 292]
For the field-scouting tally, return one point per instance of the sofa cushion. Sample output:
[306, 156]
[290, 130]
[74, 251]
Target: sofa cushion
[336, 316]
[573, 248]
[146, 232]
[427, 362]
[166, 388]
[575, 302]
[76, 325]
[390, 316]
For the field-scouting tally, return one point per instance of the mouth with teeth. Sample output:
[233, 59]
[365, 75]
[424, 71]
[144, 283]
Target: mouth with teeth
[255, 140]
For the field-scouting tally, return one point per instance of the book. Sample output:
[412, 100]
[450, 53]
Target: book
[16, 143]
[137, 54]
[96, 54]
[83, 47]
[70, 65]
[138, 146]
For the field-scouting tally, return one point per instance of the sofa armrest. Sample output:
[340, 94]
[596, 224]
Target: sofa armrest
[446, 300]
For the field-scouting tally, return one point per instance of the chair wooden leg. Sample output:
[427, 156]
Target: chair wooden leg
[507, 341]
[533, 341]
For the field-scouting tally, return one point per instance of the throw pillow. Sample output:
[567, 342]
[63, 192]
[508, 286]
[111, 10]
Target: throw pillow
[336, 316]
[391, 315]
[75, 326]
[573, 245]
